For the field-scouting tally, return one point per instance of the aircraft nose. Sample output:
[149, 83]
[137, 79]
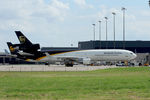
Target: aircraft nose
[134, 56]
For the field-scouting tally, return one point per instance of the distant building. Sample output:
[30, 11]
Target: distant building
[58, 49]
[135, 46]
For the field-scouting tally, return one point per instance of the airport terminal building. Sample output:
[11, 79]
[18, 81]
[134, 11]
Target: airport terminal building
[134, 46]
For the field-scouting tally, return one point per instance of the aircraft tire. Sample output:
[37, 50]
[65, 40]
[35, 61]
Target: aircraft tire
[69, 65]
[46, 63]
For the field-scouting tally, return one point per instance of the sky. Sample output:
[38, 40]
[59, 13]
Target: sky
[60, 23]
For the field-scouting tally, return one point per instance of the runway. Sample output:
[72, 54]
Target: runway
[22, 68]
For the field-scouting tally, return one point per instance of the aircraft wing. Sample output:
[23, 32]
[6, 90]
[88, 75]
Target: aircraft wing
[82, 60]
[72, 58]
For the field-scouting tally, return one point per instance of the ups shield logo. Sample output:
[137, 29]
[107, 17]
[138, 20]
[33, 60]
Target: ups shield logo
[22, 39]
[12, 49]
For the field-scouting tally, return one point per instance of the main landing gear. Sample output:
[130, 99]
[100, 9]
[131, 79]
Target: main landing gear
[69, 64]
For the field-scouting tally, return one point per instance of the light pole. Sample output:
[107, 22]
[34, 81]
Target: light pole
[114, 27]
[123, 9]
[149, 3]
[93, 31]
[106, 31]
[100, 32]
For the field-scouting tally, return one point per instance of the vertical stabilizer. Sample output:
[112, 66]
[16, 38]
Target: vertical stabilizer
[23, 39]
[12, 48]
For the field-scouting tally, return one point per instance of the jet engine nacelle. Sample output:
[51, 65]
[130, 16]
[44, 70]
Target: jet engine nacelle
[86, 61]
[29, 48]
[25, 54]
[36, 46]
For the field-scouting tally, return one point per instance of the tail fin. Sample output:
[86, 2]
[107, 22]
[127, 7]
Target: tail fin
[22, 38]
[13, 49]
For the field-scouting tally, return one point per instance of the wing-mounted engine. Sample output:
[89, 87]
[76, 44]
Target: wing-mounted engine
[29, 48]
[70, 61]
[86, 61]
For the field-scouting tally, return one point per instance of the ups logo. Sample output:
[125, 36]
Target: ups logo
[22, 39]
[12, 49]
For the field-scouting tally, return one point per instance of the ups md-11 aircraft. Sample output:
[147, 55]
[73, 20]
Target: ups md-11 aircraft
[30, 52]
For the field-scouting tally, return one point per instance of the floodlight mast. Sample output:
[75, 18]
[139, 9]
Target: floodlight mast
[106, 31]
[123, 9]
[93, 31]
[100, 32]
[114, 26]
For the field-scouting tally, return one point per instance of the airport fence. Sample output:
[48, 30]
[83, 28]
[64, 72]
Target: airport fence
[44, 68]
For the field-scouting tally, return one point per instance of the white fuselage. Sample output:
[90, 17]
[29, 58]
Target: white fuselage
[94, 55]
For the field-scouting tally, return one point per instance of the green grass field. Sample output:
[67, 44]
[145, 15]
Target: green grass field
[114, 84]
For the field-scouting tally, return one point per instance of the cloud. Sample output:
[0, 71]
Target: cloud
[145, 13]
[30, 16]
[27, 8]
[19, 13]
[83, 4]
[54, 10]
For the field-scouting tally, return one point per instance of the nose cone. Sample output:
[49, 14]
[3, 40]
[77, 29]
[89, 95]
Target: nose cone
[133, 56]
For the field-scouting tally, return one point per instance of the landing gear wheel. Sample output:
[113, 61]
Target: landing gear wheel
[69, 65]
[47, 63]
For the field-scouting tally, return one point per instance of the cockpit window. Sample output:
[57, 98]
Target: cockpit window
[131, 53]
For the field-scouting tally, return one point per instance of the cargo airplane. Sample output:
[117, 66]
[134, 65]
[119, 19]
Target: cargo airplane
[30, 52]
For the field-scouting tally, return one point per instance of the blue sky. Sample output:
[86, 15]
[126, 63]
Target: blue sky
[59, 23]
